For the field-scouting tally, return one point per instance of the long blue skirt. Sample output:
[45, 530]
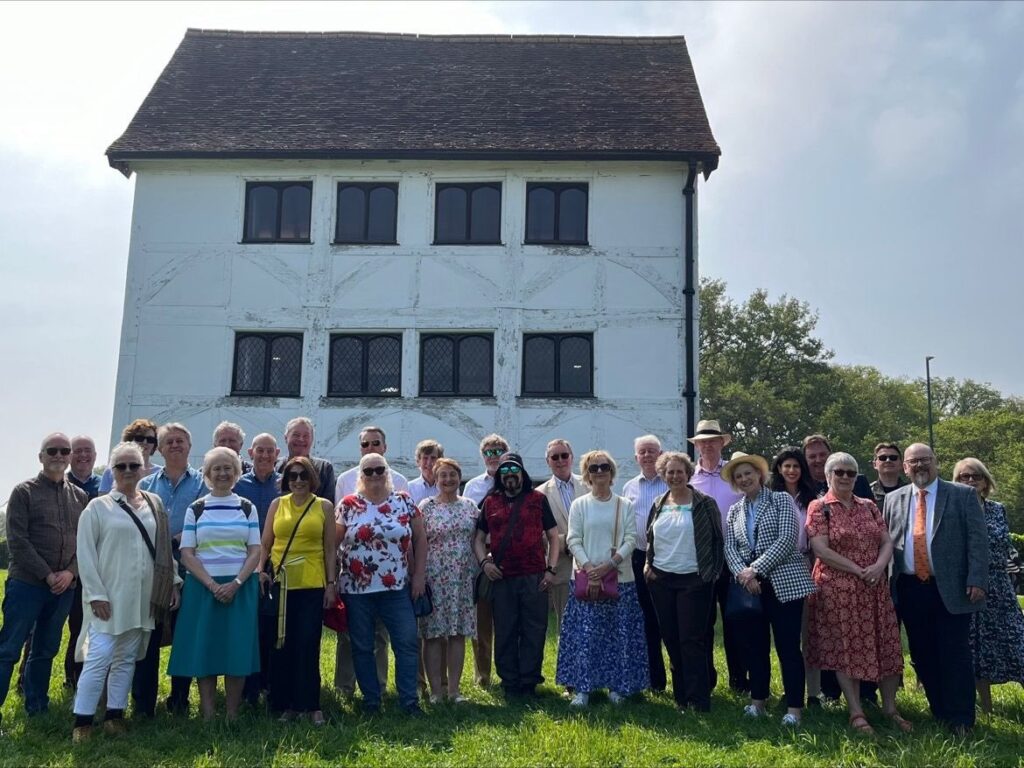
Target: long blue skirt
[602, 645]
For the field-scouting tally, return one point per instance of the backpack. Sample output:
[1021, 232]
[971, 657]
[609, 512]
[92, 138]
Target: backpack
[199, 506]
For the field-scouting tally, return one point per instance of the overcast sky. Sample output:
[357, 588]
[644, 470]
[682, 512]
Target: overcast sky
[873, 165]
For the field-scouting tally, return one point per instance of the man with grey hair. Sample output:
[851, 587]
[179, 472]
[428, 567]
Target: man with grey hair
[642, 490]
[227, 434]
[298, 437]
[80, 473]
[42, 525]
[371, 440]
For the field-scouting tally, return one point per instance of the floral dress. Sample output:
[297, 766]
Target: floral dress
[451, 567]
[851, 625]
[378, 538]
[997, 631]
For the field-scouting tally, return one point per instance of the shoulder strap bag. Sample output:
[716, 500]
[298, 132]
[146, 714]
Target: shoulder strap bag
[275, 601]
[483, 585]
[610, 581]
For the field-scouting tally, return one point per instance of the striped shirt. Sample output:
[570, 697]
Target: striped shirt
[222, 534]
[643, 492]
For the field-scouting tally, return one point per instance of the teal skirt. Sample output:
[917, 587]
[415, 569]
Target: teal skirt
[212, 638]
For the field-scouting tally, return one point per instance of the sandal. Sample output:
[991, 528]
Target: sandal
[860, 724]
[904, 725]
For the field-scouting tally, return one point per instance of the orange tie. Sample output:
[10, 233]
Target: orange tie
[921, 569]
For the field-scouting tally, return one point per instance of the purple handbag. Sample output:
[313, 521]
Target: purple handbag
[609, 582]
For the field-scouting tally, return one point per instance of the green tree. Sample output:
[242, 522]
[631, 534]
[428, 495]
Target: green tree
[952, 397]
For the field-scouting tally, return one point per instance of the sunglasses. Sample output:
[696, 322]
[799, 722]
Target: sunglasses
[53, 451]
[596, 469]
[509, 470]
[887, 457]
[560, 456]
[368, 443]
[969, 477]
[131, 465]
[371, 471]
[492, 453]
[851, 473]
[150, 439]
[300, 476]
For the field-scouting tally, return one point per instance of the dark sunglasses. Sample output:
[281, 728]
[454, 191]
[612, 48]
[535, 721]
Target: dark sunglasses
[969, 477]
[595, 469]
[492, 453]
[512, 470]
[53, 451]
[368, 443]
[150, 439]
[844, 472]
[371, 471]
[887, 457]
[301, 475]
[560, 456]
[131, 465]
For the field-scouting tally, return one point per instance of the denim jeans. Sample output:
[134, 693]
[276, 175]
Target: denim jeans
[394, 608]
[27, 606]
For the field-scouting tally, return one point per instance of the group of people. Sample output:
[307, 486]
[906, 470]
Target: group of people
[238, 565]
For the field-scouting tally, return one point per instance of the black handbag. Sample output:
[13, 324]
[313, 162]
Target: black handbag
[424, 604]
[741, 604]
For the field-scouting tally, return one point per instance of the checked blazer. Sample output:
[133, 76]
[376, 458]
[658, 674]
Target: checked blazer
[775, 533]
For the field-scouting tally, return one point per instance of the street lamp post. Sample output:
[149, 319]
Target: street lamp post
[928, 388]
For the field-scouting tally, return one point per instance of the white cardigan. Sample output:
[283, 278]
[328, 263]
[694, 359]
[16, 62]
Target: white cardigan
[591, 525]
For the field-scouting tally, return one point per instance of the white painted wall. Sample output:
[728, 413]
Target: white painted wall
[191, 284]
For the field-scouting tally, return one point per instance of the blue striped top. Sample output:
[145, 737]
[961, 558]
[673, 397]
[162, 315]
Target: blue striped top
[222, 535]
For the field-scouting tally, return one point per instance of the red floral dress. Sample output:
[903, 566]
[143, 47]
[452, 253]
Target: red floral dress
[378, 538]
[851, 625]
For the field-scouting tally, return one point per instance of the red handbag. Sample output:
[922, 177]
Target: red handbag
[335, 617]
[609, 582]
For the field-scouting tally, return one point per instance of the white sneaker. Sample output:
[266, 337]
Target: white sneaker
[580, 700]
[751, 711]
[616, 698]
[790, 720]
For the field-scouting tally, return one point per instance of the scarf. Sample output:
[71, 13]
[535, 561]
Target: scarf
[164, 568]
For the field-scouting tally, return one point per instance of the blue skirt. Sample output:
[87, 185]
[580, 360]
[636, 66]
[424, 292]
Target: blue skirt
[211, 638]
[602, 645]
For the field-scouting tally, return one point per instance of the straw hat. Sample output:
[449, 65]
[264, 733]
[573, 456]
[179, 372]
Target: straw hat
[744, 458]
[708, 429]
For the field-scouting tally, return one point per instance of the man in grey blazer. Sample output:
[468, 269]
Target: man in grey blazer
[940, 573]
[562, 489]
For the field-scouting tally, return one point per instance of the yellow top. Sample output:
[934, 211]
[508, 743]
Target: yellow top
[306, 555]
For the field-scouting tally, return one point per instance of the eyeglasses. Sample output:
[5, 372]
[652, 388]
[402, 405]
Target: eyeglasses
[53, 451]
[492, 453]
[132, 465]
[887, 457]
[371, 471]
[559, 456]
[298, 476]
[918, 462]
[969, 477]
[595, 469]
[368, 443]
[851, 473]
[511, 470]
[150, 439]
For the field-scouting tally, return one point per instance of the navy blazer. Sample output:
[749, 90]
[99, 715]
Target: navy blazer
[959, 550]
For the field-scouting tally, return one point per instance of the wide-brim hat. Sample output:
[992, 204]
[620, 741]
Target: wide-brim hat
[744, 458]
[708, 429]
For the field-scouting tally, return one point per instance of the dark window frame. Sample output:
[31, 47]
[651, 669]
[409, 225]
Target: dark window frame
[557, 339]
[268, 337]
[280, 187]
[457, 338]
[365, 339]
[468, 188]
[558, 188]
[367, 187]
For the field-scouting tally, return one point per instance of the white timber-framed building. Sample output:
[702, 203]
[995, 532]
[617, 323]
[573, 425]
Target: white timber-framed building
[445, 236]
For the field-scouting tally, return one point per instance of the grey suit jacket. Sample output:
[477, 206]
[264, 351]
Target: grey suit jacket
[959, 550]
[561, 514]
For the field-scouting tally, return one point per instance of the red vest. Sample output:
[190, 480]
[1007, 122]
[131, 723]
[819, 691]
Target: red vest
[525, 553]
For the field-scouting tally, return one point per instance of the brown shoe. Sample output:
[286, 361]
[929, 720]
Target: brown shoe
[115, 727]
[81, 733]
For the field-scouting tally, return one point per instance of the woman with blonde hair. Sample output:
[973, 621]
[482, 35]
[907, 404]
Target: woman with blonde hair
[997, 631]
[602, 642]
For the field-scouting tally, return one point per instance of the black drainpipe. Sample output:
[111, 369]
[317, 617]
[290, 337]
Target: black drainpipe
[689, 292]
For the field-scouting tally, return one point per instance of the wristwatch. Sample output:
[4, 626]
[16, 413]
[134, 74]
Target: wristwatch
[550, 570]
[239, 583]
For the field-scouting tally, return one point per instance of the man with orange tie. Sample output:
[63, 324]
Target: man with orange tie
[940, 573]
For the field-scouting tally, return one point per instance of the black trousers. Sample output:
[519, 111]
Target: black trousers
[72, 668]
[682, 603]
[146, 682]
[783, 620]
[520, 629]
[652, 632]
[295, 667]
[739, 679]
[940, 650]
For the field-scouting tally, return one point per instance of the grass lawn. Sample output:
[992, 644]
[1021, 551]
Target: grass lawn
[647, 731]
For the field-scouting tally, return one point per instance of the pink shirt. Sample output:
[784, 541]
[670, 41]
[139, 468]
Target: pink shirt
[712, 484]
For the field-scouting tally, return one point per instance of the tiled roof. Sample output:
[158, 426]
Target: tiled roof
[352, 94]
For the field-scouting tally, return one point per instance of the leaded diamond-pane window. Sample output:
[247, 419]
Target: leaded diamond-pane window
[365, 365]
[267, 364]
[558, 364]
[456, 364]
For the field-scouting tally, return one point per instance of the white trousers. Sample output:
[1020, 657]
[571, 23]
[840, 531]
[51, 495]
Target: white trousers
[109, 658]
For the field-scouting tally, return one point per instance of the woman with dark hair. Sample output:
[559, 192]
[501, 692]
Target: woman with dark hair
[298, 537]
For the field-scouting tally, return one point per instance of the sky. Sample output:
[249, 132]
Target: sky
[872, 165]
